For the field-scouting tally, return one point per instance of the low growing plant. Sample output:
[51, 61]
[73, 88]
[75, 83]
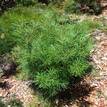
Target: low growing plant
[48, 52]
[7, 20]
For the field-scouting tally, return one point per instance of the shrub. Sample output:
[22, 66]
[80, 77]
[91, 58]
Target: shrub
[6, 40]
[5, 44]
[7, 20]
[84, 6]
[50, 53]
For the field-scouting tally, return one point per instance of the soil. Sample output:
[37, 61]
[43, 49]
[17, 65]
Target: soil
[18, 89]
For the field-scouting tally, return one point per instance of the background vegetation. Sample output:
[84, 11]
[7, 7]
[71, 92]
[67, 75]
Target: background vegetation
[83, 6]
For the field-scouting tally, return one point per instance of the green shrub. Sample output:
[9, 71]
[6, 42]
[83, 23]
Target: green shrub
[7, 20]
[6, 44]
[50, 53]
[6, 40]
[85, 6]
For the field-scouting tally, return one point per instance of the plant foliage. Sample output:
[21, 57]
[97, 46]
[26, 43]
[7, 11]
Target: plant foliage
[50, 53]
[84, 6]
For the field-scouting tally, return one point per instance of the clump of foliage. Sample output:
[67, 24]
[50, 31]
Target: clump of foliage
[6, 42]
[7, 20]
[84, 6]
[50, 53]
